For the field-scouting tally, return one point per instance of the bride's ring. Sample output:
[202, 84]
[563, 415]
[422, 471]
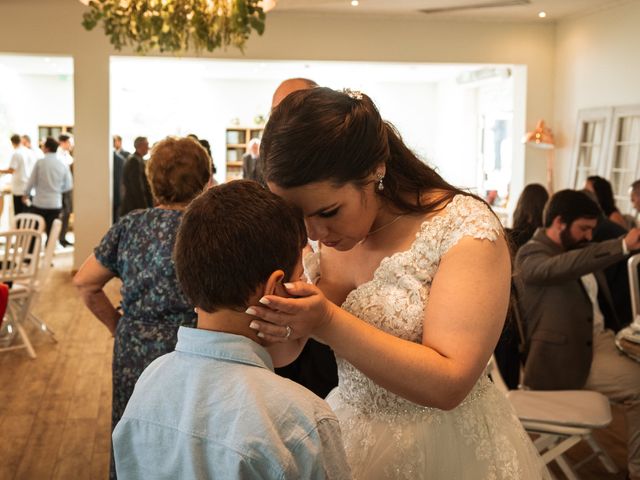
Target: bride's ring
[289, 330]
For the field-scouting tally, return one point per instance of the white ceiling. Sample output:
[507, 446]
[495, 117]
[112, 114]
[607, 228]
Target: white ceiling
[555, 9]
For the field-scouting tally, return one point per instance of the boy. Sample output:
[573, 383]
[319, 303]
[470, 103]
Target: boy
[214, 408]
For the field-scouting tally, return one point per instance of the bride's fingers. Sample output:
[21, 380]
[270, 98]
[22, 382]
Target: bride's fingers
[301, 289]
[282, 304]
[271, 316]
[269, 331]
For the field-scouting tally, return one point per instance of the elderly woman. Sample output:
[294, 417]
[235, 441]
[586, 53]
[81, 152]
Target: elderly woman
[138, 250]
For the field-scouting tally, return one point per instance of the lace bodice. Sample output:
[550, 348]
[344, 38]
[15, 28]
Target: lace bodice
[395, 299]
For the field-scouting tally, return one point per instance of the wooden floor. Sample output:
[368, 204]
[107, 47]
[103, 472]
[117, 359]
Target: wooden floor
[55, 410]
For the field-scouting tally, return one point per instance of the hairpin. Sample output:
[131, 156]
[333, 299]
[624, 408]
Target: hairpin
[355, 94]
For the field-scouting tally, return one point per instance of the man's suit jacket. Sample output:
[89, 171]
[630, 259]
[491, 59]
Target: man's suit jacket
[119, 157]
[136, 191]
[617, 274]
[557, 311]
[252, 168]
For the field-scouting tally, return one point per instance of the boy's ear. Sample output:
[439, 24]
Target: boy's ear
[274, 283]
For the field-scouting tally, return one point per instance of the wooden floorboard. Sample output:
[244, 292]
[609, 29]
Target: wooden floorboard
[55, 411]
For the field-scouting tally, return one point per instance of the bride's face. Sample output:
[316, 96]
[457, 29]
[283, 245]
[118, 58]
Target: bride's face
[339, 217]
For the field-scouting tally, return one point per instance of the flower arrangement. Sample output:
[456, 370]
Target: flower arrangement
[176, 25]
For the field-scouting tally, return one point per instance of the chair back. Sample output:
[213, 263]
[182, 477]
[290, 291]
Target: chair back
[4, 300]
[49, 250]
[634, 286]
[29, 221]
[19, 255]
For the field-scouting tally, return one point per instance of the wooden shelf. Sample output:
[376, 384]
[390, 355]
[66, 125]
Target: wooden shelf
[237, 145]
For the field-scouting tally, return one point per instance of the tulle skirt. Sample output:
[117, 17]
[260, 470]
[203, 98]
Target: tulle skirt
[480, 439]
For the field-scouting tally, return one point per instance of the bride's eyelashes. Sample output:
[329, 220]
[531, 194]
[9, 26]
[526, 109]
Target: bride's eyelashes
[329, 213]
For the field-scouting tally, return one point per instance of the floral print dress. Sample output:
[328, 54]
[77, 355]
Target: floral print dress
[138, 250]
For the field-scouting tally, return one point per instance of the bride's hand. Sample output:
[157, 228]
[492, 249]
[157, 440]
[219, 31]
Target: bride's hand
[305, 315]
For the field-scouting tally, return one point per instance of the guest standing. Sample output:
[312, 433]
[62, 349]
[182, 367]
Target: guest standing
[136, 192]
[64, 153]
[22, 162]
[119, 157]
[251, 167]
[138, 250]
[50, 179]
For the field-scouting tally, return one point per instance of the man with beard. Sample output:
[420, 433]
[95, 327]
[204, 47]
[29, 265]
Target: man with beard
[568, 312]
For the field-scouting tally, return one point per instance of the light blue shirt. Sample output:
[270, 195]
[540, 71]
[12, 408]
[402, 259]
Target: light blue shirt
[50, 178]
[214, 409]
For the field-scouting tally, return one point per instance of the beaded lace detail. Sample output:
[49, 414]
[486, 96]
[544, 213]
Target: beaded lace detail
[395, 299]
[389, 437]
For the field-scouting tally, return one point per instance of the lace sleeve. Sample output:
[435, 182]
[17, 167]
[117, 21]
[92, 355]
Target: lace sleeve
[470, 217]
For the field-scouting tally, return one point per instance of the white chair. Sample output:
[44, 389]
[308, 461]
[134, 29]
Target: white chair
[560, 419]
[628, 339]
[28, 221]
[19, 261]
[41, 278]
[634, 286]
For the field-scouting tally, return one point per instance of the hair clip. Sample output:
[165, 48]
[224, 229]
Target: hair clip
[355, 94]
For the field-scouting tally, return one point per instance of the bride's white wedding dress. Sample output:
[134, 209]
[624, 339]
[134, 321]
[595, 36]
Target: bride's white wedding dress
[389, 437]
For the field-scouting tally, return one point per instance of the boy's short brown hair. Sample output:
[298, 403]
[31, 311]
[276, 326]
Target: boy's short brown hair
[178, 170]
[231, 238]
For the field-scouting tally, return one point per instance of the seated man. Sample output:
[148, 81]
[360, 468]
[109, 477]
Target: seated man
[567, 308]
[214, 408]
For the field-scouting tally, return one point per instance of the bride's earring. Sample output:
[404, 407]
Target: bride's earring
[380, 184]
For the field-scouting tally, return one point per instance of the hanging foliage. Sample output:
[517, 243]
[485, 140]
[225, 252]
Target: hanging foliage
[176, 25]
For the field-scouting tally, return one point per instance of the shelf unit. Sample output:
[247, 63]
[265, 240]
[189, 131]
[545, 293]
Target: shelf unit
[237, 144]
[45, 131]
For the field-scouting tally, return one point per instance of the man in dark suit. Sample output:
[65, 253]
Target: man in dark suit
[119, 157]
[251, 166]
[136, 191]
[568, 310]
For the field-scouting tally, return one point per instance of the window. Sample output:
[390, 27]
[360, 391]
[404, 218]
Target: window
[624, 154]
[590, 151]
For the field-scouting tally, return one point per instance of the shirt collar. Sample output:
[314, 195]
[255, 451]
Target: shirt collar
[223, 346]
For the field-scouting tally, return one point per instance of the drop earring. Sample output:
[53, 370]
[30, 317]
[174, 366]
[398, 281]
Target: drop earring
[380, 184]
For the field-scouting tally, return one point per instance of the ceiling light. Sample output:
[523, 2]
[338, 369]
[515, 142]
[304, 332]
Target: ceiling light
[542, 14]
[355, 3]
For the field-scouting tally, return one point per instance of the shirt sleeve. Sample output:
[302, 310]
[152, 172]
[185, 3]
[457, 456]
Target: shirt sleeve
[16, 161]
[32, 179]
[320, 455]
[107, 253]
[68, 181]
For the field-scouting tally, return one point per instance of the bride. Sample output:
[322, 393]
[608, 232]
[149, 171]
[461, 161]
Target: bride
[411, 291]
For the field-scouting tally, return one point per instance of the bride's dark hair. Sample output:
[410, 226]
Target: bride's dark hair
[324, 135]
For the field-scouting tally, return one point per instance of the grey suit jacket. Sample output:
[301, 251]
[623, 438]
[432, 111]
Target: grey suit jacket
[557, 311]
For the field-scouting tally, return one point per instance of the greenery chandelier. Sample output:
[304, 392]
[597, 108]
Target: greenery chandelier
[176, 25]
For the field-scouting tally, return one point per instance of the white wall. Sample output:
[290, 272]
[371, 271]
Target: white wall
[183, 104]
[27, 101]
[597, 64]
[54, 28]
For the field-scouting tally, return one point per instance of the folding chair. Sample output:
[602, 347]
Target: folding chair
[41, 278]
[4, 301]
[561, 419]
[628, 339]
[19, 259]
